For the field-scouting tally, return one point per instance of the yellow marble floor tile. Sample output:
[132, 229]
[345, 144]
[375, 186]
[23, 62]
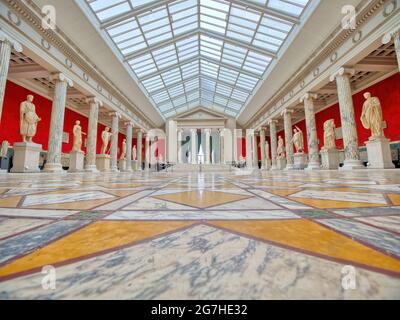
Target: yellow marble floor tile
[312, 237]
[343, 189]
[95, 238]
[278, 184]
[10, 202]
[120, 185]
[282, 192]
[121, 193]
[334, 204]
[395, 198]
[201, 198]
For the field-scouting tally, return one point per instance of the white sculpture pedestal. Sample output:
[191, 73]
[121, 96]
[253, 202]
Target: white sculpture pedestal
[330, 159]
[267, 165]
[26, 157]
[103, 162]
[300, 161]
[122, 165]
[379, 154]
[281, 164]
[134, 165]
[76, 161]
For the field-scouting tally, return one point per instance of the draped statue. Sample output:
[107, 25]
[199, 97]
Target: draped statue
[134, 153]
[266, 150]
[123, 153]
[329, 135]
[298, 140]
[280, 151]
[77, 132]
[28, 119]
[371, 117]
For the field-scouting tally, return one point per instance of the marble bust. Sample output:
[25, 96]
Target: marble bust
[371, 117]
[329, 135]
[123, 154]
[134, 153]
[298, 140]
[105, 137]
[28, 119]
[280, 151]
[77, 132]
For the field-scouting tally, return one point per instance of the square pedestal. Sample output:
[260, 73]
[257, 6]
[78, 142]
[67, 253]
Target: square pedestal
[26, 157]
[267, 165]
[103, 162]
[135, 165]
[281, 164]
[76, 161]
[330, 159]
[379, 154]
[300, 161]
[122, 164]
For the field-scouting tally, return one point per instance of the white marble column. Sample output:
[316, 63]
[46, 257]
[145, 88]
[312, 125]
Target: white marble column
[139, 148]
[6, 45]
[312, 138]
[129, 128]
[221, 146]
[349, 129]
[193, 151]
[207, 155]
[262, 149]
[179, 145]
[249, 148]
[53, 159]
[274, 143]
[395, 35]
[147, 153]
[91, 142]
[114, 141]
[235, 145]
[287, 121]
[255, 150]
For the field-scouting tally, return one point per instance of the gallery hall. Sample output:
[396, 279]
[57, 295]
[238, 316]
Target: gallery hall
[199, 150]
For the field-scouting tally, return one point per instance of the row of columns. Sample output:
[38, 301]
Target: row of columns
[193, 145]
[349, 129]
[62, 83]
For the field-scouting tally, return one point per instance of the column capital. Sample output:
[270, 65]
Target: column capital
[341, 72]
[140, 131]
[287, 111]
[192, 131]
[115, 114]
[129, 123]
[272, 121]
[4, 37]
[308, 96]
[391, 35]
[59, 76]
[95, 100]
[207, 131]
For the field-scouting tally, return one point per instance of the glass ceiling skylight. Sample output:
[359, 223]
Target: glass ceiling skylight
[187, 53]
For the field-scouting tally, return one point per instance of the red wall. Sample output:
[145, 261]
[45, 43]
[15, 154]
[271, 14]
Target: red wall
[9, 128]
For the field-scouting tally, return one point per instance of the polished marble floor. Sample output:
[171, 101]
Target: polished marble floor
[264, 235]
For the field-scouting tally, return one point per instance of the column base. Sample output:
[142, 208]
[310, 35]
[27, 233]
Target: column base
[281, 164]
[330, 159]
[76, 161]
[103, 162]
[289, 167]
[91, 168]
[300, 161]
[379, 154]
[313, 166]
[352, 165]
[122, 165]
[26, 157]
[53, 168]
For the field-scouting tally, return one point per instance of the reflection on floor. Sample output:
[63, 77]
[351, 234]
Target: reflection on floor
[281, 235]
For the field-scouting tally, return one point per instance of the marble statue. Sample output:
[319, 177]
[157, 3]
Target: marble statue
[28, 119]
[280, 150]
[371, 116]
[105, 137]
[329, 135]
[4, 149]
[123, 154]
[298, 140]
[134, 153]
[266, 150]
[77, 132]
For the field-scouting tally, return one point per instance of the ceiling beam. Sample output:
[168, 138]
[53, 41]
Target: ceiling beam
[29, 71]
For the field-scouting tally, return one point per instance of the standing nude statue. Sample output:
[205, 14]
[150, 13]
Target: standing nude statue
[77, 131]
[105, 137]
[298, 140]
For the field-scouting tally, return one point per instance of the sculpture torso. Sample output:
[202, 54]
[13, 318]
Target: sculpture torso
[280, 150]
[298, 141]
[28, 120]
[371, 117]
[329, 135]
[77, 131]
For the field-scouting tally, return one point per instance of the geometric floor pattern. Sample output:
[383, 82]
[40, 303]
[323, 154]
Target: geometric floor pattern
[266, 235]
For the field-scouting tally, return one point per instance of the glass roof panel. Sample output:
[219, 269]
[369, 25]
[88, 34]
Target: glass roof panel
[190, 52]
